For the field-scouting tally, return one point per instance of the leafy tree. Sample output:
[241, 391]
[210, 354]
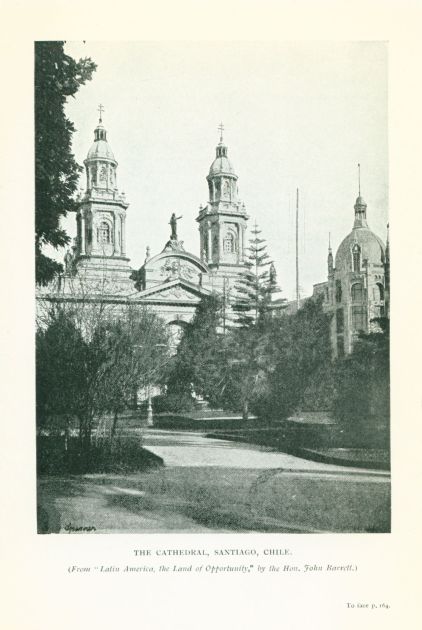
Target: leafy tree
[363, 382]
[198, 363]
[91, 360]
[135, 353]
[57, 77]
[301, 359]
[60, 371]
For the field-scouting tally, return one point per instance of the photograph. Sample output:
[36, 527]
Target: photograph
[212, 287]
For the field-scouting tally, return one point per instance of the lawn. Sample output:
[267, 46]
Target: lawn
[220, 499]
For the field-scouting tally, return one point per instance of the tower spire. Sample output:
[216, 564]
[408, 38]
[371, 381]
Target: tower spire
[360, 207]
[100, 109]
[330, 261]
[221, 129]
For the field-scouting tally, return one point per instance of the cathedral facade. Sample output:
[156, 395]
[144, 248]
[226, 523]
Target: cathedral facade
[171, 282]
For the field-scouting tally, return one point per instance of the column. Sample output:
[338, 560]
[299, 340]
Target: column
[123, 234]
[209, 243]
[82, 226]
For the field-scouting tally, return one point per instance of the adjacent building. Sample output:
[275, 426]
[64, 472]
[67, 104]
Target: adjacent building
[356, 292]
[173, 281]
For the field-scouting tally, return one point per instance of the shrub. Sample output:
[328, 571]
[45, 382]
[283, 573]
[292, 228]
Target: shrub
[58, 455]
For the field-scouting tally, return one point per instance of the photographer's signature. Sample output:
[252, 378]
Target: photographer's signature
[73, 528]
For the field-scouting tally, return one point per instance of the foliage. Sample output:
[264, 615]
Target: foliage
[198, 363]
[174, 402]
[301, 354]
[91, 360]
[61, 374]
[363, 381]
[56, 455]
[247, 379]
[256, 284]
[57, 77]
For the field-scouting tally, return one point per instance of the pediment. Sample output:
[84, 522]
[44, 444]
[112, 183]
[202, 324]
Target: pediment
[177, 291]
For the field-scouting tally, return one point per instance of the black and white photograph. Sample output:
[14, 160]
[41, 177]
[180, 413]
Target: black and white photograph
[212, 268]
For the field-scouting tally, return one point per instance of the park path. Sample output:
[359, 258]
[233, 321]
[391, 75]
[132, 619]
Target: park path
[209, 485]
[182, 448]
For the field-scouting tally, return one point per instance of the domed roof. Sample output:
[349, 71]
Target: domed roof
[360, 201]
[100, 150]
[372, 248]
[221, 165]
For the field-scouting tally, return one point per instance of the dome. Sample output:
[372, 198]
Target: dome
[100, 150]
[360, 201]
[372, 248]
[221, 166]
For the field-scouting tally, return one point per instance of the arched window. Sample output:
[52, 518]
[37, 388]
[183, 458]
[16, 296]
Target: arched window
[104, 233]
[338, 291]
[215, 245]
[229, 246]
[356, 258]
[103, 174]
[378, 292]
[357, 292]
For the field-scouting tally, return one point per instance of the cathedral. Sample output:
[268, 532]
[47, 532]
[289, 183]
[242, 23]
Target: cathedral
[173, 281]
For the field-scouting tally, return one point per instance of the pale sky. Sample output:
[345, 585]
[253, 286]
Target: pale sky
[295, 115]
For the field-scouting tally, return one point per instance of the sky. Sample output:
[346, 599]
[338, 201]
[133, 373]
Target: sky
[296, 115]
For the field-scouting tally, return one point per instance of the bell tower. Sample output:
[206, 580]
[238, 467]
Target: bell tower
[222, 222]
[101, 219]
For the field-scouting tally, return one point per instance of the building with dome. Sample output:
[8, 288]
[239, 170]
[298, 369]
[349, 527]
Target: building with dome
[171, 282]
[357, 289]
[100, 245]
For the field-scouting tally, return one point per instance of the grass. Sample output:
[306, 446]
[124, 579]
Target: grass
[231, 500]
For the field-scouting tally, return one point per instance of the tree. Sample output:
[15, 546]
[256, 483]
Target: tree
[57, 77]
[91, 357]
[256, 284]
[60, 371]
[135, 348]
[249, 342]
[199, 359]
[362, 399]
[301, 359]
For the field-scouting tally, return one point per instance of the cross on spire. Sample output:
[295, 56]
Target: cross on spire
[101, 109]
[221, 129]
